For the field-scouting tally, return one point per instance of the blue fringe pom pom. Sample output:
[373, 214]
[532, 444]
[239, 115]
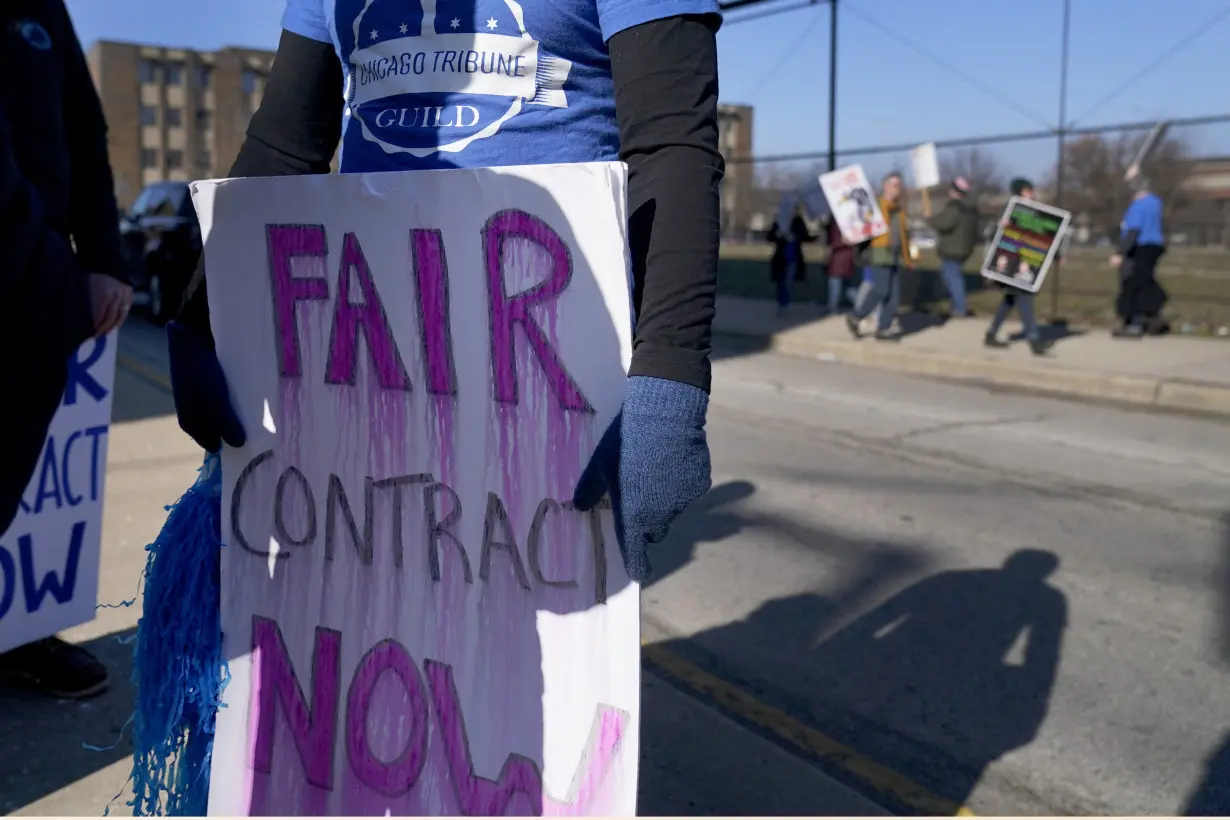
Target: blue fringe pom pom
[178, 668]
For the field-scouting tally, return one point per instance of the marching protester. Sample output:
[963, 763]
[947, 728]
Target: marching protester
[1022, 300]
[643, 88]
[1141, 245]
[956, 229]
[788, 264]
[884, 257]
[62, 279]
[841, 268]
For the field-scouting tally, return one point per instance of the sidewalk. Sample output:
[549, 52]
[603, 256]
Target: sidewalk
[1172, 372]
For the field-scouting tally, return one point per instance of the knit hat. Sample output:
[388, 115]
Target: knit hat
[961, 184]
[1019, 185]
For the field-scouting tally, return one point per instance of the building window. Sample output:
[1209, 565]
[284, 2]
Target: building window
[175, 74]
[148, 71]
[251, 79]
[175, 117]
[204, 119]
[149, 115]
[204, 160]
[204, 76]
[149, 158]
[175, 159]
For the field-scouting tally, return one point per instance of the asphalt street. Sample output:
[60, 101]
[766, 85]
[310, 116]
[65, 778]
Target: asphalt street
[1018, 604]
[946, 598]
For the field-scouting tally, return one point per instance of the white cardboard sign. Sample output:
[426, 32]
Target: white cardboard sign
[926, 166]
[49, 557]
[854, 204]
[416, 620]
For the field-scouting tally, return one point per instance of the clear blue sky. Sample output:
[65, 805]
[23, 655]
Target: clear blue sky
[888, 92]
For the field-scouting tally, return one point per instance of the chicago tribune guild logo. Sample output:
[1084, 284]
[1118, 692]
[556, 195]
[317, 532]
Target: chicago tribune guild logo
[458, 75]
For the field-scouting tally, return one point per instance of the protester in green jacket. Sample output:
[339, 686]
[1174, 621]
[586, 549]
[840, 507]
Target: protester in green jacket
[956, 229]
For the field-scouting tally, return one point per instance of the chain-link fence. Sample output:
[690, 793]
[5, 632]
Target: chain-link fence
[1189, 170]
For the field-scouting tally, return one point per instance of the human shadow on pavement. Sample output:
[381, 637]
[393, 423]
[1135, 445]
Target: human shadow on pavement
[1211, 795]
[677, 778]
[41, 739]
[937, 683]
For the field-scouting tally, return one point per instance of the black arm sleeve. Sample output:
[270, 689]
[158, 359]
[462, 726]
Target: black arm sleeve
[666, 91]
[295, 131]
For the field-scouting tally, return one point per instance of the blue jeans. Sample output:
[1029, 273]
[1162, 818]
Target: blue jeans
[1024, 303]
[881, 287]
[835, 286]
[954, 281]
[783, 292]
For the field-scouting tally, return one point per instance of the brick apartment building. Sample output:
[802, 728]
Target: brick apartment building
[174, 114]
[738, 187]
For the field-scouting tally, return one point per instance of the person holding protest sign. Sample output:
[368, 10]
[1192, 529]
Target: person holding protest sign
[788, 264]
[1141, 245]
[884, 257]
[1022, 300]
[63, 277]
[616, 79]
[956, 226]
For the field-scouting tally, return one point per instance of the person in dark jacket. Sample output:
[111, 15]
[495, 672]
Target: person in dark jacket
[956, 229]
[1022, 300]
[788, 264]
[1141, 245]
[62, 280]
[841, 267]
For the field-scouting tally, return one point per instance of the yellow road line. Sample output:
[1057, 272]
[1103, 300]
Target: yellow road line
[144, 371]
[802, 736]
[749, 708]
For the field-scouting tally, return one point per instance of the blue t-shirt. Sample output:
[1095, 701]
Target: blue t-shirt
[476, 83]
[1145, 215]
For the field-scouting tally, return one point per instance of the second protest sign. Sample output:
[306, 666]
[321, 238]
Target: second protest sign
[1025, 244]
[416, 620]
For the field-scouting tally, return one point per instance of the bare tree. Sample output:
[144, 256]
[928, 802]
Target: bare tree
[977, 165]
[1093, 186]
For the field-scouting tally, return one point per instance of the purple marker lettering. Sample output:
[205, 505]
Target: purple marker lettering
[312, 728]
[398, 776]
[431, 274]
[477, 795]
[507, 312]
[481, 796]
[369, 317]
[284, 243]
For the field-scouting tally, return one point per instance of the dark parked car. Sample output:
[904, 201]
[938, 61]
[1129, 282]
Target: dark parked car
[161, 242]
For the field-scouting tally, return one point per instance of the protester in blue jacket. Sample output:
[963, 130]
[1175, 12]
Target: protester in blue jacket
[1141, 245]
[615, 79]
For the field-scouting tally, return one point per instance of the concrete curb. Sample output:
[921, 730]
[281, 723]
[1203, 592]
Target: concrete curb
[1172, 394]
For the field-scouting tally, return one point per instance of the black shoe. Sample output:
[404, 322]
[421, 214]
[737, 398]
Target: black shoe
[887, 336]
[1039, 347]
[852, 325]
[989, 340]
[56, 668]
[1128, 332]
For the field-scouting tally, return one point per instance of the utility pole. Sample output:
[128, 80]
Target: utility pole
[1062, 134]
[832, 84]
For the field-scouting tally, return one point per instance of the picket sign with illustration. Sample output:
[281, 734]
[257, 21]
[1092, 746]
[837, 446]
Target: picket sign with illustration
[49, 557]
[854, 204]
[416, 620]
[1025, 244]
